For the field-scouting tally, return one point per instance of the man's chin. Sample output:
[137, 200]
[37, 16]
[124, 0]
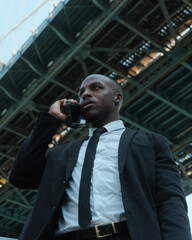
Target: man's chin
[91, 116]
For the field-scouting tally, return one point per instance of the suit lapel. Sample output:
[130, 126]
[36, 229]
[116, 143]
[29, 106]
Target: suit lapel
[124, 143]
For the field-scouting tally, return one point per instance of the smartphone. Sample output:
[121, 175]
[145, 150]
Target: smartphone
[75, 117]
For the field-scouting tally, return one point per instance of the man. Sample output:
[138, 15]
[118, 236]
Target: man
[135, 191]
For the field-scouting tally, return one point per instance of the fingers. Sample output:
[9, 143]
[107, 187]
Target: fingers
[65, 101]
[58, 109]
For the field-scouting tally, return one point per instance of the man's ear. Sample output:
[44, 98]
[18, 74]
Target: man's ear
[118, 98]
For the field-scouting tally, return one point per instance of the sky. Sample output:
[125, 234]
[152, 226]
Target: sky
[12, 14]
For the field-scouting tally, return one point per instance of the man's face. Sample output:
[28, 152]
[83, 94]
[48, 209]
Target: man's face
[97, 98]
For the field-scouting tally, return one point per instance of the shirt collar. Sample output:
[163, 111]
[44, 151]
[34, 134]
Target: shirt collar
[112, 126]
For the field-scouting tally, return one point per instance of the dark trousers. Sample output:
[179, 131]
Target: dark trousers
[77, 236]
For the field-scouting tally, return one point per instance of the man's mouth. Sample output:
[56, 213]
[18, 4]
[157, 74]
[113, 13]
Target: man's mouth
[87, 104]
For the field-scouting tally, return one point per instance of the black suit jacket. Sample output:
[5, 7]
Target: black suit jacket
[152, 194]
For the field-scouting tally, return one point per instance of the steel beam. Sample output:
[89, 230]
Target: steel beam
[168, 19]
[131, 80]
[187, 2]
[62, 36]
[15, 130]
[187, 65]
[135, 123]
[19, 204]
[9, 92]
[8, 146]
[140, 32]
[2, 173]
[139, 86]
[34, 67]
[116, 50]
[58, 83]
[14, 84]
[169, 103]
[175, 62]
[6, 156]
[8, 214]
[64, 59]
[23, 198]
[8, 231]
[83, 65]
[102, 5]
[38, 53]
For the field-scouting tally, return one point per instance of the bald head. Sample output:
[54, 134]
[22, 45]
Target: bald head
[112, 83]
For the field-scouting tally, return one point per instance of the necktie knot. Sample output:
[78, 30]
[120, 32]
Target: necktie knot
[99, 131]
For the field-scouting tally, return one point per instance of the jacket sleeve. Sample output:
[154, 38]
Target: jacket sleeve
[170, 199]
[31, 159]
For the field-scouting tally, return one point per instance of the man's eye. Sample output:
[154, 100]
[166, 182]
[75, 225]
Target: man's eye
[96, 87]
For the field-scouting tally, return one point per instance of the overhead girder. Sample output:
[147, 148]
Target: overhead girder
[102, 5]
[134, 122]
[63, 36]
[117, 50]
[183, 92]
[168, 19]
[155, 112]
[130, 25]
[154, 78]
[2, 146]
[182, 144]
[187, 65]
[9, 92]
[173, 84]
[14, 217]
[56, 82]
[67, 19]
[2, 173]
[40, 106]
[6, 156]
[14, 129]
[188, 2]
[170, 103]
[23, 198]
[113, 69]
[140, 86]
[140, 32]
[38, 53]
[181, 168]
[83, 65]
[7, 191]
[95, 27]
[15, 89]
[34, 67]
[19, 204]
[13, 231]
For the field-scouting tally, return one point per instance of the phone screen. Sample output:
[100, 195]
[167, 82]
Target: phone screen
[75, 117]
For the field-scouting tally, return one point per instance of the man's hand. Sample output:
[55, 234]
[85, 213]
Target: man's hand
[58, 109]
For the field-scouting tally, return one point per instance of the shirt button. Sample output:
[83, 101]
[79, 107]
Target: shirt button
[64, 182]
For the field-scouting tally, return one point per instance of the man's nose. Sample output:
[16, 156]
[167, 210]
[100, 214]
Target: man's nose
[86, 94]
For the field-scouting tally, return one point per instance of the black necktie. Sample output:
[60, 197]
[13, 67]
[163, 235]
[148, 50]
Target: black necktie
[85, 184]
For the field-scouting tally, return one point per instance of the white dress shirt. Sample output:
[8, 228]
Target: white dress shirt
[105, 196]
